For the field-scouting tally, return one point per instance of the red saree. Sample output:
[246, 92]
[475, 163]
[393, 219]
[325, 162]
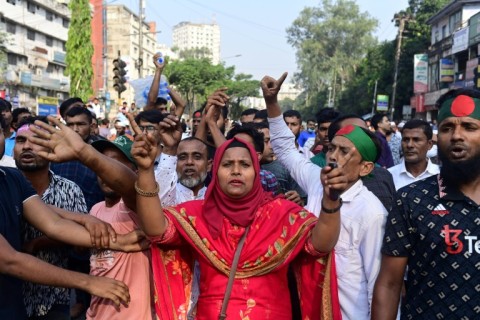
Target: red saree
[279, 236]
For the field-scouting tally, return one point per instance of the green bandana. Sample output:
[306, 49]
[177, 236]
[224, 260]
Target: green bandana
[361, 140]
[460, 106]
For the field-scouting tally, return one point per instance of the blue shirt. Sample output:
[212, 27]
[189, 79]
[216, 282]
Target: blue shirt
[14, 191]
[304, 136]
[9, 144]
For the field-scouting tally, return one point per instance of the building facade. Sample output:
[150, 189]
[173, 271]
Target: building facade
[205, 38]
[453, 54]
[123, 40]
[37, 32]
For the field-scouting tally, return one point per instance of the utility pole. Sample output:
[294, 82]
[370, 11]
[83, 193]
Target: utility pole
[141, 10]
[399, 19]
[374, 97]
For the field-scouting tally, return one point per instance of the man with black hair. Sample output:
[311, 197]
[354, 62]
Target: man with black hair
[18, 115]
[293, 119]
[415, 165]
[57, 191]
[261, 116]
[433, 227]
[69, 103]
[248, 115]
[149, 122]
[196, 119]
[380, 182]
[324, 118]
[382, 126]
[357, 252]
[6, 110]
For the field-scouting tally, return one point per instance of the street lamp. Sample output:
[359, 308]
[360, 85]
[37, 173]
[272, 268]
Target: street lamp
[235, 56]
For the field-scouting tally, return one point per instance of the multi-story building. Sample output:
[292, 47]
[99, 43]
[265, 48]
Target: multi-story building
[37, 32]
[123, 40]
[453, 54]
[205, 38]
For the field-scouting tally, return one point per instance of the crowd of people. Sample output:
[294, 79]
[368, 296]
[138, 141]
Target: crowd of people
[346, 219]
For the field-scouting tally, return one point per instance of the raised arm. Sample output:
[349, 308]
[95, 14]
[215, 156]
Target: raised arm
[327, 230]
[270, 88]
[29, 268]
[215, 103]
[178, 101]
[149, 208]
[153, 93]
[66, 145]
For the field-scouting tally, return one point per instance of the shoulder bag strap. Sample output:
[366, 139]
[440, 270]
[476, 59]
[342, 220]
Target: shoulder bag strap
[231, 277]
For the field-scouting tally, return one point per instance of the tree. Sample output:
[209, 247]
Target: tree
[80, 50]
[417, 37]
[196, 79]
[239, 90]
[331, 41]
[3, 53]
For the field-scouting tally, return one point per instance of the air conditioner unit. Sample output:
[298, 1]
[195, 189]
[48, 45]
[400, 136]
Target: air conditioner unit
[59, 95]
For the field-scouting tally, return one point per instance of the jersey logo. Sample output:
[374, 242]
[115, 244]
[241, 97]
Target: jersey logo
[454, 245]
[440, 210]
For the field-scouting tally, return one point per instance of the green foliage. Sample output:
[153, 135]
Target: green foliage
[331, 41]
[80, 50]
[196, 79]
[416, 39]
[195, 53]
[3, 53]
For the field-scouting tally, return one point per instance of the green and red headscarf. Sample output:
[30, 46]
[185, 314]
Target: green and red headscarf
[361, 140]
[459, 106]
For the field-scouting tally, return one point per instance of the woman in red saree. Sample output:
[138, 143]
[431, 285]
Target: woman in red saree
[280, 233]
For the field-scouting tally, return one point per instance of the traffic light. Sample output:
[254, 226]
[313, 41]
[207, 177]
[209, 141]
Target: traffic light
[119, 74]
[476, 77]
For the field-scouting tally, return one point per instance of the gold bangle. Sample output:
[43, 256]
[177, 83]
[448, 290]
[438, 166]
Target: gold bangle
[144, 193]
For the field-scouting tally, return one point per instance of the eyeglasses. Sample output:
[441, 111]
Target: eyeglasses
[148, 129]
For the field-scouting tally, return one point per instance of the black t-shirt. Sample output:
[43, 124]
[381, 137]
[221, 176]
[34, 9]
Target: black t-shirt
[14, 190]
[438, 229]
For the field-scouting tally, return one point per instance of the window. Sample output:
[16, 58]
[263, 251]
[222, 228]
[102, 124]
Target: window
[49, 15]
[50, 68]
[64, 46]
[12, 59]
[30, 7]
[455, 21]
[30, 34]
[11, 28]
[65, 23]
[14, 2]
[49, 41]
[444, 32]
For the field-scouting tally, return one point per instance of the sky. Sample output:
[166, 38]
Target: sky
[254, 29]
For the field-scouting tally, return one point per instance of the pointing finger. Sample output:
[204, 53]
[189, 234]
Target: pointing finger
[133, 124]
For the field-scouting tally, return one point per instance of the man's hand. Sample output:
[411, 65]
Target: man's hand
[293, 196]
[219, 99]
[271, 87]
[64, 143]
[132, 242]
[171, 130]
[144, 148]
[157, 64]
[334, 180]
[108, 288]
[100, 232]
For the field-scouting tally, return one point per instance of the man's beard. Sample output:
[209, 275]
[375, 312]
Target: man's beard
[31, 167]
[461, 172]
[193, 181]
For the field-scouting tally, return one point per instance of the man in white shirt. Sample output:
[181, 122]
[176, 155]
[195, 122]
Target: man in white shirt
[416, 141]
[357, 252]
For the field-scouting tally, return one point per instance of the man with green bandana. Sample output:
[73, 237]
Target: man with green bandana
[433, 228]
[363, 216]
